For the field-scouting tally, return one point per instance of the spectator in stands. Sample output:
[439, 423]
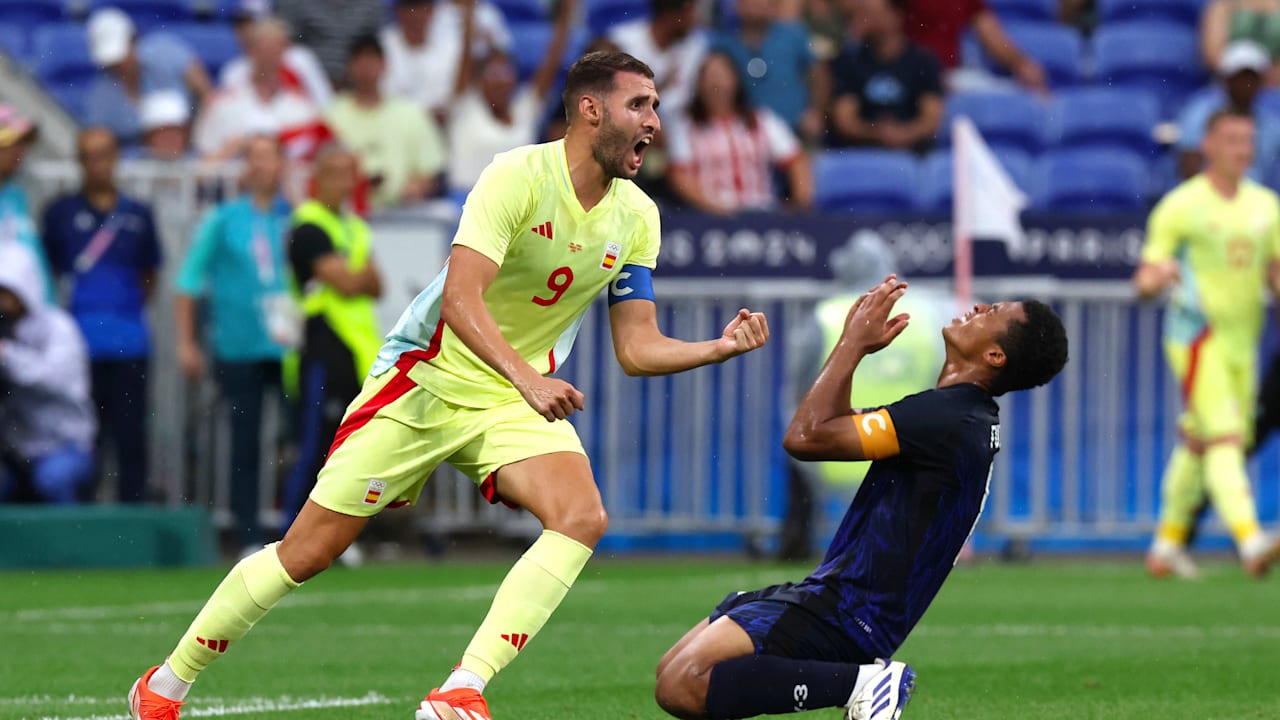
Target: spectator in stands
[47, 423]
[672, 44]
[491, 112]
[399, 146]
[237, 259]
[888, 90]
[17, 133]
[330, 256]
[781, 72]
[424, 46]
[1226, 21]
[936, 25]
[265, 105]
[1241, 71]
[723, 149]
[166, 121]
[329, 26]
[135, 67]
[299, 69]
[104, 244]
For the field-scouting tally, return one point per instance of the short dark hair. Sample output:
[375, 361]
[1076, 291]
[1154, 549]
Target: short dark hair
[593, 74]
[661, 7]
[366, 43]
[1222, 114]
[1035, 349]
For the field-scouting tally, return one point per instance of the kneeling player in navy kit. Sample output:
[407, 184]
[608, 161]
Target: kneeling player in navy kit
[827, 640]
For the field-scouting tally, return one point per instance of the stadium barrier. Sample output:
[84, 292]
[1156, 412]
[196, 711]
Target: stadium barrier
[694, 461]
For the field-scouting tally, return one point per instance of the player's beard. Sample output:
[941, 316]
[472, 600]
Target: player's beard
[610, 148]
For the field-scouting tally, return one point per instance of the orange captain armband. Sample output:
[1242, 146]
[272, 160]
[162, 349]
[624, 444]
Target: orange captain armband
[875, 430]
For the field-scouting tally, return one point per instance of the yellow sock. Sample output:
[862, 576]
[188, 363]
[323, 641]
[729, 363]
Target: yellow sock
[525, 600]
[252, 588]
[1180, 492]
[1229, 489]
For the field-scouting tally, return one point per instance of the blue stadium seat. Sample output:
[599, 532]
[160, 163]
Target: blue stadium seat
[531, 41]
[865, 180]
[150, 14]
[1092, 181]
[27, 14]
[1025, 9]
[1162, 57]
[1058, 48]
[1104, 118]
[215, 44]
[13, 41]
[1183, 12]
[60, 55]
[520, 11]
[71, 98]
[1005, 119]
[936, 188]
[604, 14]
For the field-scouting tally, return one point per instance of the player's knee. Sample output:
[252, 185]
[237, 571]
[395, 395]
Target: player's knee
[586, 524]
[303, 561]
[679, 691]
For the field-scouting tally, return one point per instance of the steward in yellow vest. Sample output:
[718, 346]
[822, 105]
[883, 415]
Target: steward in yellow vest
[336, 282]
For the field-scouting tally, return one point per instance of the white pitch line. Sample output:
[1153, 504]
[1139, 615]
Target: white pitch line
[252, 706]
[1268, 632]
[320, 598]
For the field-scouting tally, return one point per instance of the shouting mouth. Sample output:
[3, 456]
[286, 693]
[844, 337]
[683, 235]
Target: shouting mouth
[637, 151]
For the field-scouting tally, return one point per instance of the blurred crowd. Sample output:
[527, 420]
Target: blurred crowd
[423, 93]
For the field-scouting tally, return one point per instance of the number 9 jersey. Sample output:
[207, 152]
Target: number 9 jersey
[553, 260]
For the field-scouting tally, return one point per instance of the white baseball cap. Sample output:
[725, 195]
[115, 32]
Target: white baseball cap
[163, 108]
[1243, 55]
[110, 33]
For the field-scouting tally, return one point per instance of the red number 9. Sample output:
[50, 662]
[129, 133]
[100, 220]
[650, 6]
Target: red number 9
[559, 281]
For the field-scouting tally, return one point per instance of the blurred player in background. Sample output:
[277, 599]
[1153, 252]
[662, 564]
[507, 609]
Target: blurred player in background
[464, 379]
[1215, 240]
[819, 643]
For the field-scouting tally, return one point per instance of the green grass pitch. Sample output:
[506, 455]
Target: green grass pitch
[1047, 640]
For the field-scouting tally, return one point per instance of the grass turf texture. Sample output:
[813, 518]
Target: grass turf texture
[1049, 640]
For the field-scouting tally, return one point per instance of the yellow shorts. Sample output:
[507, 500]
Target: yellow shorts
[1218, 384]
[396, 433]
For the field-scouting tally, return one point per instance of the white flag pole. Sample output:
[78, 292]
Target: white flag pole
[962, 240]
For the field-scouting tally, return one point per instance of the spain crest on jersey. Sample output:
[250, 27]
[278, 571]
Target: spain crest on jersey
[611, 253]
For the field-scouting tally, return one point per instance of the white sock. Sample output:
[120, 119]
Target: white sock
[463, 679]
[166, 684]
[865, 673]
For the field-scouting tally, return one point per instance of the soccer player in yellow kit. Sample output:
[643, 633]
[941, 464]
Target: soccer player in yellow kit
[1215, 239]
[464, 378]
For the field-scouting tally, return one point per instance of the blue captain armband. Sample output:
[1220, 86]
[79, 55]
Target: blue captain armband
[634, 282]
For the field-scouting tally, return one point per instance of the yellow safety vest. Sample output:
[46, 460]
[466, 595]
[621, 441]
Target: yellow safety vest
[353, 319]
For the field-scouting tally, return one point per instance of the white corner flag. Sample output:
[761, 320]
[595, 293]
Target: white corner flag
[985, 202]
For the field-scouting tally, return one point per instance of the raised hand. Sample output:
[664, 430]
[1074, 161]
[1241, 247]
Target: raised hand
[868, 325]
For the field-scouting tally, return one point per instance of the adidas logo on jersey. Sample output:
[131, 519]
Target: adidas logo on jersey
[544, 230]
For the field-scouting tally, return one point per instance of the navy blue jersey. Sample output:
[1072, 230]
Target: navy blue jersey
[911, 517]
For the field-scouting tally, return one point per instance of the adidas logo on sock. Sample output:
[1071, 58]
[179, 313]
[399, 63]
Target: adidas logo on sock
[516, 639]
[215, 645]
